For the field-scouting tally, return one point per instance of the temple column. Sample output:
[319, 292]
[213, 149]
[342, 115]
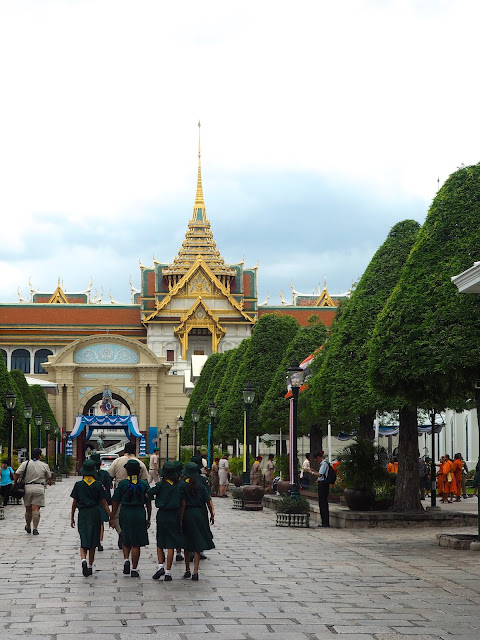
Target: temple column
[32, 362]
[59, 404]
[69, 417]
[153, 405]
[142, 392]
[9, 360]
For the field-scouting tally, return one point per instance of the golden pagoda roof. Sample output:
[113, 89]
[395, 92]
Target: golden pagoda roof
[199, 240]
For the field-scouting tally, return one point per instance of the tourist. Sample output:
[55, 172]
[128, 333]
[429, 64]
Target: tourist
[323, 487]
[153, 475]
[204, 458]
[169, 528]
[422, 474]
[6, 481]
[457, 470]
[269, 473]
[256, 475]
[214, 477]
[106, 482]
[130, 494]
[196, 529]
[118, 473]
[476, 479]
[35, 474]
[305, 473]
[464, 480]
[223, 475]
[89, 497]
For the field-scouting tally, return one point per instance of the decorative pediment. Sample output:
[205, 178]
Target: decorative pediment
[58, 297]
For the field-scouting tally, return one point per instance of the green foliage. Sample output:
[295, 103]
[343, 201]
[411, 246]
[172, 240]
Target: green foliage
[282, 466]
[386, 490]
[237, 493]
[362, 465]
[341, 389]
[273, 412]
[426, 344]
[236, 464]
[286, 504]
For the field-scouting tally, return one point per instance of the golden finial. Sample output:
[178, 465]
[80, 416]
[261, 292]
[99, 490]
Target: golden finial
[199, 195]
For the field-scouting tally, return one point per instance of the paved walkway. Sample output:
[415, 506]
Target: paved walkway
[260, 582]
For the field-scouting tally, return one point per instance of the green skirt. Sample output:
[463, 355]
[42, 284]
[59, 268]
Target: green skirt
[169, 532]
[89, 525]
[196, 529]
[133, 523]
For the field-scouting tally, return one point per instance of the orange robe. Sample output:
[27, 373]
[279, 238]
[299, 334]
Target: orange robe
[449, 486]
[392, 467]
[457, 466]
[440, 482]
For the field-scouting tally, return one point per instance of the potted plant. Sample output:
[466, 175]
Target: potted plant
[292, 512]
[362, 469]
[385, 494]
[237, 498]
[236, 467]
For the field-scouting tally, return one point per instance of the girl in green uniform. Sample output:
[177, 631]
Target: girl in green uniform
[131, 494]
[106, 482]
[87, 495]
[196, 529]
[169, 531]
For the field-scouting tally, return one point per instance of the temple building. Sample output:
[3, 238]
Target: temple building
[144, 355]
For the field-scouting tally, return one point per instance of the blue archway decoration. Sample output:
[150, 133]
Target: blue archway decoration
[128, 423]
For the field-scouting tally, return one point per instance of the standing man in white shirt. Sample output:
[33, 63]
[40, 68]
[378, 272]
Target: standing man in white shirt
[305, 473]
[153, 466]
[323, 487]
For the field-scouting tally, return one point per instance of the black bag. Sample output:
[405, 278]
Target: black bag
[18, 489]
[331, 476]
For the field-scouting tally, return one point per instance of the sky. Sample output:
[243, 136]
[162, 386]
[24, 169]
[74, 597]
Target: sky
[323, 125]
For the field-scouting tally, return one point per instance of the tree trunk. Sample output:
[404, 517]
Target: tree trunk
[407, 488]
[366, 426]
[316, 439]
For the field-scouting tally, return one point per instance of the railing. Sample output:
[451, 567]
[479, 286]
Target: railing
[114, 448]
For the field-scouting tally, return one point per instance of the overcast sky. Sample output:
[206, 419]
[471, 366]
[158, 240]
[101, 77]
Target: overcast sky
[323, 125]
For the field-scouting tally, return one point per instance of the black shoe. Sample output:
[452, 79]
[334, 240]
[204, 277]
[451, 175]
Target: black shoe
[203, 556]
[126, 567]
[195, 576]
[35, 532]
[90, 571]
[85, 568]
[100, 548]
[120, 541]
[168, 578]
[178, 557]
[158, 574]
[27, 529]
[134, 574]
[186, 575]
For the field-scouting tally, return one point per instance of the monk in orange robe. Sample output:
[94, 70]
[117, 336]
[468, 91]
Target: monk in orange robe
[457, 466]
[449, 484]
[392, 466]
[440, 478]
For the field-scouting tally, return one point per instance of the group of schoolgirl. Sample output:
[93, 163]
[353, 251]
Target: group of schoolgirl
[182, 498]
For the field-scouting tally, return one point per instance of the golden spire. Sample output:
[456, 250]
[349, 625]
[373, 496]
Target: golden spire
[199, 195]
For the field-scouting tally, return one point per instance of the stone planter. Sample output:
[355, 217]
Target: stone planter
[252, 497]
[283, 487]
[237, 503]
[59, 478]
[382, 505]
[358, 500]
[237, 481]
[293, 520]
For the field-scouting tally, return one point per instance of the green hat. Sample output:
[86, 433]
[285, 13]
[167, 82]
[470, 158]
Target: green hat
[178, 467]
[198, 461]
[191, 469]
[133, 467]
[169, 470]
[95, 457]
[89, 468]
[156, 449]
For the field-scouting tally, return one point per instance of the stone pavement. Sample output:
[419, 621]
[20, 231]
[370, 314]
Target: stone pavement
[261, 581]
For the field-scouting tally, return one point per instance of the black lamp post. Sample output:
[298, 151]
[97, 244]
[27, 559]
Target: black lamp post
[55, 458]
[167, 431]
[296, 375]
[433, 471]
[10, 401]
[38, 424]
[195, 418]
[248, 397]
[64, 437]
[47, 431]
[212, 410]
[27, 412]
[179, 439]
[159, 445]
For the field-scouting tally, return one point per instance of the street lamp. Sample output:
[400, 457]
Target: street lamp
[55, 460]
[47, 431]
[159, 444]
[296, 375]
[195, 418]
[248, 397]
[167, 431]
[212, 410]
[64, 437]
[38, 424]
[11, 401]
[27, 412]
[433, 471]
[180, 422]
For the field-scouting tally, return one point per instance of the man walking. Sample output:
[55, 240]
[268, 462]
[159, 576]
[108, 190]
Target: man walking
[153, 466]
[35, 474]
[323, 487]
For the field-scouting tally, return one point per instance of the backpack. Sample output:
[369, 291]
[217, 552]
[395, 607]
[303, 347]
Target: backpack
[331, 476]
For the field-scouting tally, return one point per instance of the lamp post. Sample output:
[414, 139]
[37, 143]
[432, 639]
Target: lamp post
[55, 459]
[38, 424]
[179, 439]
[27, 412]
[159, 444]
[195, 418]
[433, 471]
[212, 410]
[296, 375]
[167, 431]
[47, 431]
[64, 437]
[10, 401]
[248, 397]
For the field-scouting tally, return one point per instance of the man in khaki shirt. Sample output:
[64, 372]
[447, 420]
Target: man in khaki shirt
[118, 472]
[36, 474]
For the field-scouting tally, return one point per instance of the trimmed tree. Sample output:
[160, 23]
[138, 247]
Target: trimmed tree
[425, 350]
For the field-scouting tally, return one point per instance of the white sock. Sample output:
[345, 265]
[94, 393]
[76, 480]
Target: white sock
[160, 566]
[83, 562]
[168, 572]
[89, 566]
